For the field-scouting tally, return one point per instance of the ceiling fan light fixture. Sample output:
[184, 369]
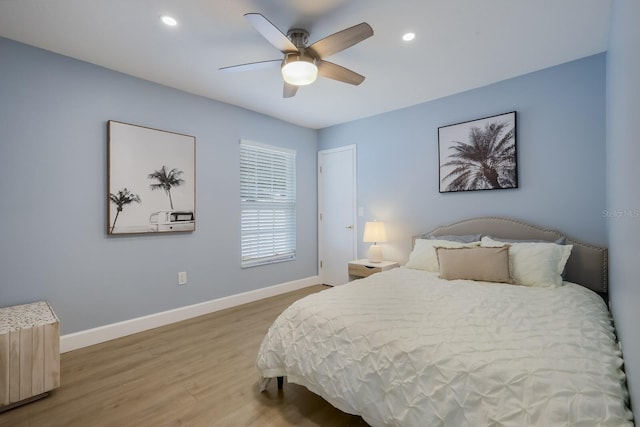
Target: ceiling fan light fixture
[299, 70]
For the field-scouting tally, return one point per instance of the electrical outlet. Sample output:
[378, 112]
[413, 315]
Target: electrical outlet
[182, 278]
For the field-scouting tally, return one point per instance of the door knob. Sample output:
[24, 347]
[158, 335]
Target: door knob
[349, 227]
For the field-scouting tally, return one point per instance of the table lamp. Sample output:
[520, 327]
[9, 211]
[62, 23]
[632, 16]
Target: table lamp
[375, 232]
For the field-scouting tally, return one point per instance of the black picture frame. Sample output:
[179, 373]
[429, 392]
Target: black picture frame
[478, 154]
[151, 180]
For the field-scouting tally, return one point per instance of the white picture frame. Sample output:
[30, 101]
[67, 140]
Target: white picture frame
[151, 180]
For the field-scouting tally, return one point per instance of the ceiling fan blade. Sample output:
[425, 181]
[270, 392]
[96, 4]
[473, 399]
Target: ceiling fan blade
[252, 66]
[289, 90]
[341, 40]
[270, 32]
[337, 72]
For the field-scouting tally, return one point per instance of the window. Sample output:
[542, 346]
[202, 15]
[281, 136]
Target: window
[268, 204]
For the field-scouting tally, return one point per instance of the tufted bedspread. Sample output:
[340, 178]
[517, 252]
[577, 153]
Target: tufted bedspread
[404, 348]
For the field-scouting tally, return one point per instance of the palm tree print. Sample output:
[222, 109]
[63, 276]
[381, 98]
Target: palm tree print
[486, 161]
[166, 181]
[123, 198]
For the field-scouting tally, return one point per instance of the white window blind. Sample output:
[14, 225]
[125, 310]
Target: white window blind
[268, 203]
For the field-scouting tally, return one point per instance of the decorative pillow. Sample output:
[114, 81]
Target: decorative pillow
[535, 264]
[461, 238]
[486, 264]
[423, 256]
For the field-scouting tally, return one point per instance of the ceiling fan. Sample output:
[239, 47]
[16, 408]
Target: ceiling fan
[302, 64]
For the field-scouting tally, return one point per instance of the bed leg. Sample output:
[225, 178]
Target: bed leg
[280, 382]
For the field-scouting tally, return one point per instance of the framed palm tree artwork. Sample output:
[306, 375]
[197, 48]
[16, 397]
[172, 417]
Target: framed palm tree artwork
[478, 154]
[151, 180]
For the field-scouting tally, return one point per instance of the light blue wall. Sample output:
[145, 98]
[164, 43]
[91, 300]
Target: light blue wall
[623, 166]
[561, 157]
[53, 244]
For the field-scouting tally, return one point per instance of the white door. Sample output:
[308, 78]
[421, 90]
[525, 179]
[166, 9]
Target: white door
[337, 234]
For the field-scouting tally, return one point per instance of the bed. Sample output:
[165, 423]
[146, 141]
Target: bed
[507, 329]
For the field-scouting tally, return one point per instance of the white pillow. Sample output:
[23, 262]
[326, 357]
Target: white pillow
[424, 257]
[535, 264]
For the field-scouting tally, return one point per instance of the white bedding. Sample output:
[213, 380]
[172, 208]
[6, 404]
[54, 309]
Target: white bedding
[404, 348]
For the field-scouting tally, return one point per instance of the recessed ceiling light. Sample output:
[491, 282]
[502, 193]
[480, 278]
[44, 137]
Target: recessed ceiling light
[168, 20]
[408, 37]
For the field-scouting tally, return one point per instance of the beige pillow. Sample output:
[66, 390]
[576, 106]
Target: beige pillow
[479, 263]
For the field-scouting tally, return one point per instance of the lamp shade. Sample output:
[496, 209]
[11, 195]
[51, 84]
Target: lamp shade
[374, 232]
[299, 70]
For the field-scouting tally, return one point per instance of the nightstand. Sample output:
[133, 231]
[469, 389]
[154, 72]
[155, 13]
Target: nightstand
[363, 268]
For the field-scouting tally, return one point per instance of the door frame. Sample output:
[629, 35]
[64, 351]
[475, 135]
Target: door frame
[354, 248]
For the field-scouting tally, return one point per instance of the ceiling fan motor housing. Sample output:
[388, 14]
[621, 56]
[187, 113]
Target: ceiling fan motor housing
[299, 68]
[299, 37]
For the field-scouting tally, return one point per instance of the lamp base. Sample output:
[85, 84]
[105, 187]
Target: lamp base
[375, 253]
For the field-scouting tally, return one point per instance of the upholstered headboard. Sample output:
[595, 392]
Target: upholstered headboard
[587, 265]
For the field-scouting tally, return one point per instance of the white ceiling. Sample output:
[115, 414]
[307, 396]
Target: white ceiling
[459, 45]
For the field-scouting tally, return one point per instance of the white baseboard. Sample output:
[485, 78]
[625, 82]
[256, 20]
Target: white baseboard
[76, 340]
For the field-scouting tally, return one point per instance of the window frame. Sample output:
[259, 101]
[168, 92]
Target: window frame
[268, 204]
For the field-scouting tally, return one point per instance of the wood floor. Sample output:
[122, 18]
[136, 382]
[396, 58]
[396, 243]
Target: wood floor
[200, 372]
